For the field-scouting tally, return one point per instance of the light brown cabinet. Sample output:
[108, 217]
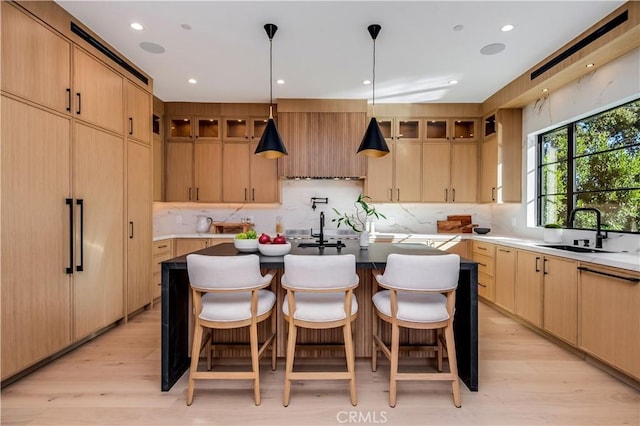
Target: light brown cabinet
[248, 178]
[138, 113]
[184, 246]
[207, 165]
[179, 172]
[464, 172]
[500, 180]
[243, 129]
[451, 130]
[529, 286]
[396, 177]
[139, 237]
[609, 316]
[484, 253]
[505, 278]
[36, 61]
[449, 172]
[161, 251]
[407, 129]
[208, 129]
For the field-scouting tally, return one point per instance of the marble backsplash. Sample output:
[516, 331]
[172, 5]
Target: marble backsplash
[296, 211]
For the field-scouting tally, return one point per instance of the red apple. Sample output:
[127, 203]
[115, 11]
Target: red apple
[264, 239]
[279, 239]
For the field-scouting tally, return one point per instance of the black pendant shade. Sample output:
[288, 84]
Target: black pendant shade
[373, 143]
[270, 145]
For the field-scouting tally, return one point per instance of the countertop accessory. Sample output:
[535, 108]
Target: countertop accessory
[274, 249]
[270, 145]
[246, 246]
[481, 231]
[203, 225]
[231, 227]
[456, 224]
[373, 143]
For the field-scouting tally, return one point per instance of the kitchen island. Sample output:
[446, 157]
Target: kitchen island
[176, 304]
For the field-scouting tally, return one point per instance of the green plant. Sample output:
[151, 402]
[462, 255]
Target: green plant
[553, 226]
[358, 220]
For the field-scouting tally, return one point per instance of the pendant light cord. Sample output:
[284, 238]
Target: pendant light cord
[373, 82]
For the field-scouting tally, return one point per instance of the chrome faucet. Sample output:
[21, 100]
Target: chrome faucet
[599, 235]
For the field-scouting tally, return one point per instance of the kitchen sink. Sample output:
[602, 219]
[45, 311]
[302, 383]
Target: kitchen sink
[575, 249]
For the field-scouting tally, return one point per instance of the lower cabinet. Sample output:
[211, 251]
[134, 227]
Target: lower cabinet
[505, 278]
[161, 251]
[528, 296]
[484, 254]
[560, 300]
[609, 316]
[189, 245]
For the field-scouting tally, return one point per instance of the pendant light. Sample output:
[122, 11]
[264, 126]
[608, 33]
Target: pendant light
[270, 145]
[373, 143]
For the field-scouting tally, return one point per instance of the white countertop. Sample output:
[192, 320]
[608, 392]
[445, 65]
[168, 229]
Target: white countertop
[629, 261]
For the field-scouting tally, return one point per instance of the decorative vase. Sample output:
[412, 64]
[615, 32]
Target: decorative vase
[364, 240]
[203, 225]
[552, 235]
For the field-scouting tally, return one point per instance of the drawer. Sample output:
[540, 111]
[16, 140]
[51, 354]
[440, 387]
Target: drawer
[486, 286]
[158, 259]
[483, 248]
[486, 264]
[162, 247]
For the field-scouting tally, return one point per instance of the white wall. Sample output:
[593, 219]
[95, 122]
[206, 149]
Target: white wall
[603, 88]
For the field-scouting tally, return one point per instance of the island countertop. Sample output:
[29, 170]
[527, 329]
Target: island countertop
[176, 294]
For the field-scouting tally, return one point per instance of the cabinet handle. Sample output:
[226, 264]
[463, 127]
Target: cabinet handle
[398, 194]
[189, 193]
[504, 251]
[482, 285]
[544, 267]
[620, 277]
[482, 248]
[253, 194]
[245, 194]
[493, 192]
[131, 230]
[454, 194]
[446, 194]
[390, 194]
[80, 267]
[198, 194]
[69, 202]
[164, 246]
[69, 100]
[482, 264]
[79, 102]
[537, 267]
[131, 125]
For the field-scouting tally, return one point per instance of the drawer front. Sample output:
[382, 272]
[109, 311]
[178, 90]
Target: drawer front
[486, 286]
[486, 249]
[161, 247]
[486, 264]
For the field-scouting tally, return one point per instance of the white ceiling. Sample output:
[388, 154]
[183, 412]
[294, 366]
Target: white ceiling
[323, 50]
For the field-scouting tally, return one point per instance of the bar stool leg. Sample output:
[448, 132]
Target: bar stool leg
[291, 351]
[195, 357]
[374, 346]
[255, 364]
[274, 346]
[395, 349]
[453, 364]
[348, 346]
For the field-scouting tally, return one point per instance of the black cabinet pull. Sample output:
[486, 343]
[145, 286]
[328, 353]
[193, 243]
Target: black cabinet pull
[504, 251]
[454, 195]
[69, 202]
[537, 267]
[493, 193]
[80, 267]
[79, 103]
[245, 194]
[69, 100]
[544, 267]
[253, 194]
[620, 277]
[198, 194]
[446, 194]
[131, 125]
[130, 229]
[189, 193]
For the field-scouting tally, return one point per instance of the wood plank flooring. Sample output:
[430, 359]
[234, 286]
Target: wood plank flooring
[524, 380]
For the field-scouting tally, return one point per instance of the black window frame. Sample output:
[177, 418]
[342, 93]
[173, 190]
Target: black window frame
[570, 161]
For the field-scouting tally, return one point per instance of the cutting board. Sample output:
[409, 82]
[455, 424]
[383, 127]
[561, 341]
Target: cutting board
[456, 224]
[231, 227]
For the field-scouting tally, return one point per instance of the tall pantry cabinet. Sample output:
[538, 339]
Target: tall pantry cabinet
[64, 194]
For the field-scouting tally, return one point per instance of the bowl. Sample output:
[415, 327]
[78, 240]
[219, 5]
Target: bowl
[481, 231]
[274, 249]
[246, 246]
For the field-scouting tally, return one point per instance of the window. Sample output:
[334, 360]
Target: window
[594, 162]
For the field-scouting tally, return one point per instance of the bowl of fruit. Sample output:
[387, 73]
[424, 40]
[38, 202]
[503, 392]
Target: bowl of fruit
[276, 246]
[246, 242]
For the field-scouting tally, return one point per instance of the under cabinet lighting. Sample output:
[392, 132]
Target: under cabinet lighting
[589, 65]
[192, 81]
[280, 81]
[366, 82]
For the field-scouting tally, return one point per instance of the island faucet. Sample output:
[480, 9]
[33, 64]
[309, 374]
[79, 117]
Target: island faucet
[599, 235]
[321, 234]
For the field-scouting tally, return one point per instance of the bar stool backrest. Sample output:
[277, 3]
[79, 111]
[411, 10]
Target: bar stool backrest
[420, 272]
[225, 272]
[326, 272]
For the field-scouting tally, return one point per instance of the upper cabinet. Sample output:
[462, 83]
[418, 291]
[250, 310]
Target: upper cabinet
[139, 115]
[97, 93]
[501, 154]
[451, 129]
[36, 62]
[243, 129]
[208, 129]
[401, 128]
[322, 137]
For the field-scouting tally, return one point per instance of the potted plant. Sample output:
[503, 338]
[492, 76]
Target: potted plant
[552, 233]
[357, 221]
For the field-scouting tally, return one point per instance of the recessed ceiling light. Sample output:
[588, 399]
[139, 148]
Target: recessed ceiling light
[458, 28]
[185, 26]
[453, 81]
[136, 26]
[506, 28]
[280, 81]
[589, 65]
[366, 81]
[192, 81]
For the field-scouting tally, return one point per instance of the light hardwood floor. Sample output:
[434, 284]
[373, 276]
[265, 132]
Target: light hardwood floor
[524, 380]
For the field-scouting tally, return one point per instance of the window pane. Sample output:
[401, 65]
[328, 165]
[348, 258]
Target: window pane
[554, 209]
[612, 129]
[608, 170]
[554, 145]
[620, 210]
[554, 178]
